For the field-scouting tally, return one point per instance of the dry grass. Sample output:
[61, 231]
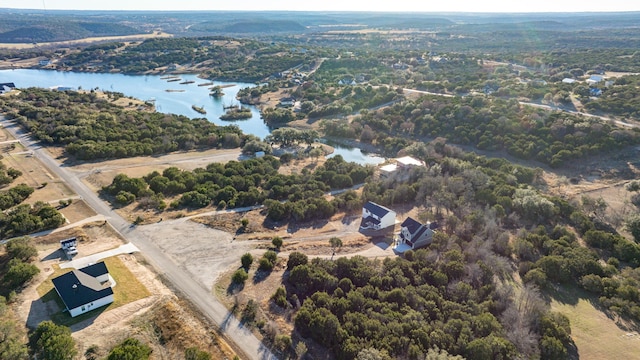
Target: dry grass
[77, 211]
[171, 328]
[595, 334]
[128, 289]
[84, 41]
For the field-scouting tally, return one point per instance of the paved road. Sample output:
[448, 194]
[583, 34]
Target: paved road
[182, 281]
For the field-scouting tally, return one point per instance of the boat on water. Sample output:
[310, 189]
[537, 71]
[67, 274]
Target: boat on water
[169, 77]
[174, 79]
[199, 109]
[174, 90]
[206, 84]
[187, 82]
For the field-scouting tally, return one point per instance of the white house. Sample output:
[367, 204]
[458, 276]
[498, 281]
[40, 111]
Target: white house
[594, 79]
[6, 87]
[85, 289]
[401, 166]
[377, 217]
[568, 80]
[287, 101]
[414, 235]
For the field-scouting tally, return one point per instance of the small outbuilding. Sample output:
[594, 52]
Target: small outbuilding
[377, 217]
[85, 289]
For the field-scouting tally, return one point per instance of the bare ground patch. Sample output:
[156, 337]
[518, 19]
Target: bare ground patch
[77, 211]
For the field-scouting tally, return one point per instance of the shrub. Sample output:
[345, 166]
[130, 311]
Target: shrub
[282, 342]
[246, 260]
[130, 349]
[277, 242]
[250, 311]
[240, 276]
[265, 265]
[271, 256]
[296, 258]
[280, 297]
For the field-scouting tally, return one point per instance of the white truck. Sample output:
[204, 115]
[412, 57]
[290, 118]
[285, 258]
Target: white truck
[68, 246]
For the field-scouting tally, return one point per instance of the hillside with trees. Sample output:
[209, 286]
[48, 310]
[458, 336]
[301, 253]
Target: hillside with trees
[91, 127]
[458, 294]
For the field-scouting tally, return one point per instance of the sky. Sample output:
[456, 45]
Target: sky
[334, 5]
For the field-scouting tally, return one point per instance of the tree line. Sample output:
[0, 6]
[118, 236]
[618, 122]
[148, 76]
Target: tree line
[246, 183]
[90, 127]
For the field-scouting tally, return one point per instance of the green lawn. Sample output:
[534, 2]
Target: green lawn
[595, 335]
[127, 289]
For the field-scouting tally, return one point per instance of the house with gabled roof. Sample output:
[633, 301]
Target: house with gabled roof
[376, 217]
[85, 289]
[414, 235]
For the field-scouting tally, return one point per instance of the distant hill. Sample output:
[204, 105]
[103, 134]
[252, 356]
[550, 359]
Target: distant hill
[249, 26]
[27, 29]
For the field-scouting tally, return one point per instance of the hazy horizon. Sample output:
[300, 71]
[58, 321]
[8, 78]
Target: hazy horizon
[462, 6]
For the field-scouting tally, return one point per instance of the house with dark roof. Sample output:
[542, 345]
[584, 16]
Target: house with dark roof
[85, 289]
[414, 235]
[377, 217]
[6, 87]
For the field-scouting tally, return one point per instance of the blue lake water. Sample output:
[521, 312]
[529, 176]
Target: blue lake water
[152, 87]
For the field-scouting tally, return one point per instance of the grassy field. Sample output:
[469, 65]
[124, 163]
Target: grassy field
[128, 289]
[595, 334]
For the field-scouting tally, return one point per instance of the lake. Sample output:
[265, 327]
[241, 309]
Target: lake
[152, 87]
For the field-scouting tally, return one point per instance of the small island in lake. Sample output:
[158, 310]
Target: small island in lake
[216, 91]
[236, 113]
[199, 109]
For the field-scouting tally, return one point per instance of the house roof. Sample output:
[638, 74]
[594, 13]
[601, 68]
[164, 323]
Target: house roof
[371, 220]
[389, 168]
[417, 235]
[96, 270]
[9, 85]
[597, 78]
[408, 160]
[377, 210]
[411, 224]
[78, 287]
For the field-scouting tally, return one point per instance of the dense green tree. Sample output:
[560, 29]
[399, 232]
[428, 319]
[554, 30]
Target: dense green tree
[296, 258]
[246, 260]
[239, 276]
[19, 273]
[53, 342]
[130, 349]
[21, 249]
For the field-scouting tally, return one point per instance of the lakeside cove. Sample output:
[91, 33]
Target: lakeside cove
[167, 100]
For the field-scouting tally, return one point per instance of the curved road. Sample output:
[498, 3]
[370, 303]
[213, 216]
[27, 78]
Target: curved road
[199, 296]
[542, 106]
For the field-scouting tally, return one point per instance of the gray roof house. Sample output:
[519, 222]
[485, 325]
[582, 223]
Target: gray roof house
[414, 235]
[85, 289]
